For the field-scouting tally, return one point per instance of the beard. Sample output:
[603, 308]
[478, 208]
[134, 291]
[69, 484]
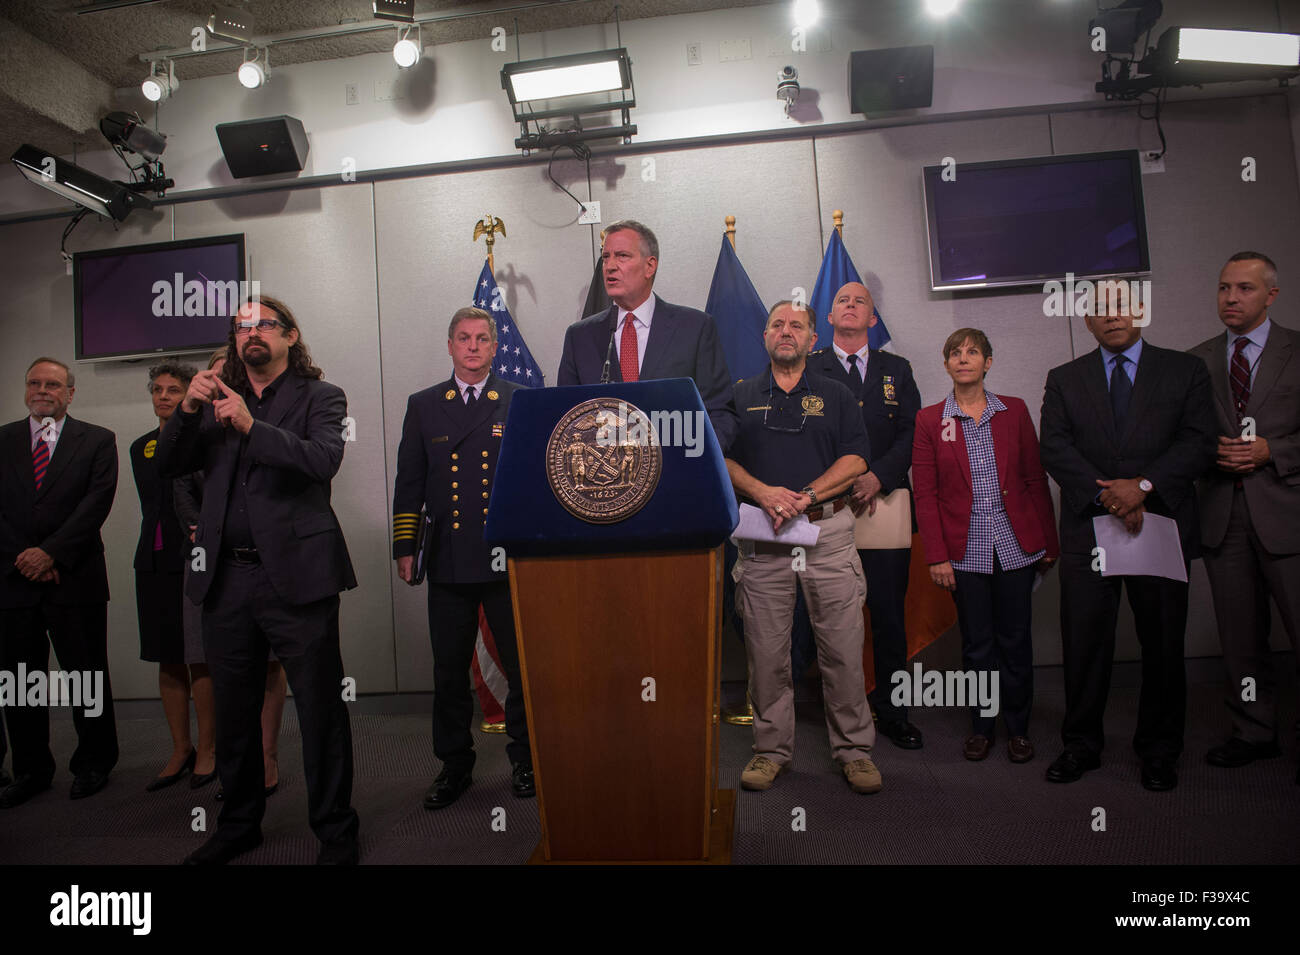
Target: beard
[256, 355]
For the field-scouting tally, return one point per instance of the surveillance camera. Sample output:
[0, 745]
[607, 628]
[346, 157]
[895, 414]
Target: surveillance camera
[787, 87]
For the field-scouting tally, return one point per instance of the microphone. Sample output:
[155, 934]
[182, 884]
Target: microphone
[609, 355]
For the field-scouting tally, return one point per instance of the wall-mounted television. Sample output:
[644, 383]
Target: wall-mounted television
[165, 297]
[1027, 221]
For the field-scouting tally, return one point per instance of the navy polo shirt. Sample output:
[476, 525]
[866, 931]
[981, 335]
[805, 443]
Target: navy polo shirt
[790, 440]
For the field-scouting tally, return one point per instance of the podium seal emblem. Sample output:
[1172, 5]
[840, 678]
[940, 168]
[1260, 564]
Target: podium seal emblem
[603, 460]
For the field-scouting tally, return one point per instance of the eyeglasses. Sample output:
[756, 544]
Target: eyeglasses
[778, 428]
[263, 325]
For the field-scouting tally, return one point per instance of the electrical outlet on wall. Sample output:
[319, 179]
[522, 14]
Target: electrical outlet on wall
[695, 53]
[1152, 161]
[351, 94]
[590, 213]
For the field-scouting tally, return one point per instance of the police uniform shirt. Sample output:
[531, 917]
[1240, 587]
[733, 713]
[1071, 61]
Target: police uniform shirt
[790, 440]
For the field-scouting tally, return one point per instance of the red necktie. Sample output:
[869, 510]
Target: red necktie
[627, 358]
[1240, 373]
[40, 459]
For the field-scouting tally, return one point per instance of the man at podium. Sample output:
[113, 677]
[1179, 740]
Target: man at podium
[643, 337]
[801, 430]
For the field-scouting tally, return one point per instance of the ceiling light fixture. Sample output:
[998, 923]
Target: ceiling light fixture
[230, 24]
[158, 86]
[403, 11]
[806, 12]
[586, 80]
[407, 51]
[256, 69]
[941, 8]
[112, 199]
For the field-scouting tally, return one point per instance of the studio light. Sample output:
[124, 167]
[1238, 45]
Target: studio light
[574, 75]
[253, 72]
[407, 51]
[92, 192]
[129, 132]
[158, 86]
[941, 8]
[231, 24]
[806, 12]
[402, 11]
[1242, 47]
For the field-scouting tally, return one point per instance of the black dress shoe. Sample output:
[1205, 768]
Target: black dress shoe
[199, 780]
[22, 789]
[446, 789]
[1070, 766]
[1237, 752]
[521, 781]
[1158, 774]
[162, 782]
[218, 851]
[87, 784]
[901, 733]
[339, 853]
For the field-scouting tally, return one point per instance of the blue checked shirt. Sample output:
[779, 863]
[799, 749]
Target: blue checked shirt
[990, 530]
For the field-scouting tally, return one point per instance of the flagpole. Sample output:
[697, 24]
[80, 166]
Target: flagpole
[731, 230]
[838, 217]
[489, 226]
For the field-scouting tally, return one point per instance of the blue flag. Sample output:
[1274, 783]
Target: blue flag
[513, 362]
[837, 270]
[739, 313]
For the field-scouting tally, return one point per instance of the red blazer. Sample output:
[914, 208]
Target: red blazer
[941, 481]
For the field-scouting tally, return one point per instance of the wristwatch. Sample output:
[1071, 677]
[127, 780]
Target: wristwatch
[1145, 486]
[812, 495]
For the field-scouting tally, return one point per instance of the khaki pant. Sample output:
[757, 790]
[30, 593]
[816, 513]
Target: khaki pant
[835, 589]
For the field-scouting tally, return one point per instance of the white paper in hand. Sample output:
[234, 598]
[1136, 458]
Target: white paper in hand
[756, 526]
[1153, 551]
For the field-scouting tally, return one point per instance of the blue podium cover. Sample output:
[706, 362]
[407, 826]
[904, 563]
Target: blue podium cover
[693, 505]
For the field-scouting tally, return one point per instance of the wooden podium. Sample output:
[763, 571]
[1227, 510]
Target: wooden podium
[618, 627]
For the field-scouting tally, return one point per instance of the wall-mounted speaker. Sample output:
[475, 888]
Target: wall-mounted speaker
[884, 80]
[259, 147]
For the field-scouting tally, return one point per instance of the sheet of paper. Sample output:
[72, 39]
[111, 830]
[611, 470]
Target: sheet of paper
[755, 526]
[1154, 551]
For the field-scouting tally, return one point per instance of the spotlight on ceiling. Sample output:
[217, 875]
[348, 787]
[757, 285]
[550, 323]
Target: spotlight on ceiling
[92, 192]
[806, 12]
[407, 51]
[158, 86]
[941, 8]
[255, 69]
[231, 24]
[1186, 55]
[595, 82]
[402, 11]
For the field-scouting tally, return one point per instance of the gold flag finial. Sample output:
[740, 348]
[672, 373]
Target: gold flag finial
[489, 227]
[731, 230]
[838, 217]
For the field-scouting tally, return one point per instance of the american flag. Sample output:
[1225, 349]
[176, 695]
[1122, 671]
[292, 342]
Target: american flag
[514, 362]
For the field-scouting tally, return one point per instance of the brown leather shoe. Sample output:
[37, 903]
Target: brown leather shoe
[977, 747]
[1019, 749]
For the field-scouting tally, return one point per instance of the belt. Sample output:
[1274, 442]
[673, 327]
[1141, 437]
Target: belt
[820, 512]
[241, 555]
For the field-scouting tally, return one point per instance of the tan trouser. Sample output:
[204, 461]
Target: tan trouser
[835, 589]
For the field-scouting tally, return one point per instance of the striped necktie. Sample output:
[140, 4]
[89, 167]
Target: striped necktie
[1240, 372]
[40, 458]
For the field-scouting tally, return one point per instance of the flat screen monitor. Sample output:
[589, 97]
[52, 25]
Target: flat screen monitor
[145, 300]
[1028, 221]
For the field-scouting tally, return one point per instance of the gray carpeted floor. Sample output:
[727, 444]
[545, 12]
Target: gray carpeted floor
[936, 807]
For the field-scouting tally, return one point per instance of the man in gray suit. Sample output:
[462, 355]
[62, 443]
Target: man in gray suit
[1251, 499]
[642, 337]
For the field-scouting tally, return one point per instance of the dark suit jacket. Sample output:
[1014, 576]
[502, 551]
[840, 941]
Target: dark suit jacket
[63, 518]
[446, 462]
[1273, 491]
[156, 504]
[683, 343]
[1168, 439]
[944, 495]
[288, 464]
[889, 402]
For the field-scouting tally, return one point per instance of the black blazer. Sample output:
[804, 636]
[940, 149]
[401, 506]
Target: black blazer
[288, 464]
[683, 343]
[446, 462]
[889, 403]
[1169, 438]
[156, 504]
[63, 518]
